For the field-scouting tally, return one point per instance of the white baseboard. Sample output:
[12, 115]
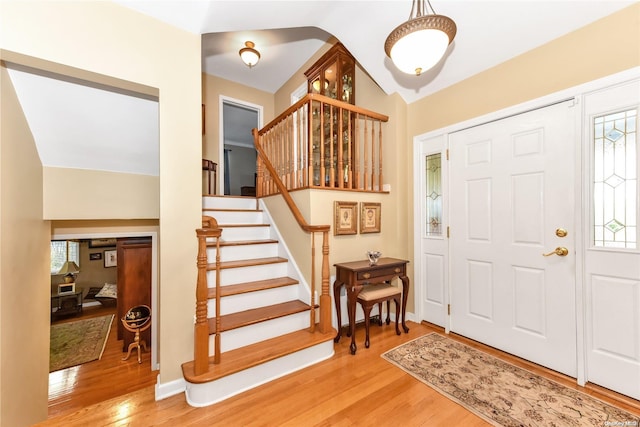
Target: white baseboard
[169, 389]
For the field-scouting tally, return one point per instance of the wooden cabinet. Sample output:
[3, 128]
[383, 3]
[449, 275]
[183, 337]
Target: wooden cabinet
[134, 282]
[333, 75]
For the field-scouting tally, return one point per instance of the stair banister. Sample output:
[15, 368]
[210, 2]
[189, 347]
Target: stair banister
[325, 298]
[209, 230]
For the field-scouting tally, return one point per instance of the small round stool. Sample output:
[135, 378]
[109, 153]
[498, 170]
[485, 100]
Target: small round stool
[136, 320]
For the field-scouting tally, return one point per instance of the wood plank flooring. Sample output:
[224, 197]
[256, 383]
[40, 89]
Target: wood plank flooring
[80, 386]
[345, 390]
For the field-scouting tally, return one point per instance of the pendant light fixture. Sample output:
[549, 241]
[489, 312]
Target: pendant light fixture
[249, 55]
[421, 42]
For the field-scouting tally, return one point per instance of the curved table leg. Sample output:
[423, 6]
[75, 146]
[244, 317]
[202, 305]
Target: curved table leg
[352, 296]
[405, 292]
[336, 298]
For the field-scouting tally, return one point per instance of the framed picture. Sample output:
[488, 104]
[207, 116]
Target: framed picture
[95, 256]
[101, 243]
[346, 218]
[369, 217]
[111, 258]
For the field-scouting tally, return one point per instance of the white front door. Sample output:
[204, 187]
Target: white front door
[511, 196]
[612, 255]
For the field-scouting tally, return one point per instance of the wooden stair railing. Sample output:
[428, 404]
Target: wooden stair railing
[209, 230]
[323, 143]
[325, 298]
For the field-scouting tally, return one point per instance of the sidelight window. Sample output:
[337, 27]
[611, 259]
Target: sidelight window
[434, 194]
[615, 180]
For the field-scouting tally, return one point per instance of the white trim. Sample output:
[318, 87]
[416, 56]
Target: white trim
[582, 196]
[298, 93]
[171, 388]
[233, 101]
[154, 276]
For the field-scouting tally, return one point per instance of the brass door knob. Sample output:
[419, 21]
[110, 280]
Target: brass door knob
[560, 251]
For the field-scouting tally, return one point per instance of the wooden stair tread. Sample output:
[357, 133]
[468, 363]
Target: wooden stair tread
[258, 285]
[247, 263]
[252, 355]
[242, 242]
[256, 315]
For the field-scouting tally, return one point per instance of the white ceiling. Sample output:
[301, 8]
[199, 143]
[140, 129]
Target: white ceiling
[489, 32]
[93, 128]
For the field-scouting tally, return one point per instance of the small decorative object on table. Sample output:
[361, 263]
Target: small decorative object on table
[373, 257]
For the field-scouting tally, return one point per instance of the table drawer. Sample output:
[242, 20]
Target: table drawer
[392, 270]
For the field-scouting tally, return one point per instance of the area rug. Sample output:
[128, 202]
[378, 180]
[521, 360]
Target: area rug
[78, 342]
[499, 392]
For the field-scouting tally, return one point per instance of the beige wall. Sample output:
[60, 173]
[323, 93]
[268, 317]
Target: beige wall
[24, 270]
[145, 52]
[102, 195]
[212, 89]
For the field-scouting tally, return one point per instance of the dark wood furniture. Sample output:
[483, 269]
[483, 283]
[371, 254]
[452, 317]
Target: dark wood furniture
[211, 170]
[334, 75]
[134, 282]
[354, 275]
[67, 303]
[371, 295]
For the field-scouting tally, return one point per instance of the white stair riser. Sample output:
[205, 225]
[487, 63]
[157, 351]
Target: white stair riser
[236, 217]
[205, 394]
[252, 334]
[250, 300]
[221, 202]
[232, 276]
[234, 253]
[231, 234]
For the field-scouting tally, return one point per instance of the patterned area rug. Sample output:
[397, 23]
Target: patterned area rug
[499, 392]
[75, 343]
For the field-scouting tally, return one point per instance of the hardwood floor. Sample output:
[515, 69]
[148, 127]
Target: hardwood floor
[345, 390]
[80, 386]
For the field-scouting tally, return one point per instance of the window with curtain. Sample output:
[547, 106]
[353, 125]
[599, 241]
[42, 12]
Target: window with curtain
[63, 251]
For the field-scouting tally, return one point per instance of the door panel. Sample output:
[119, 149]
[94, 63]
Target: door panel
[512, 185]
[612, 257]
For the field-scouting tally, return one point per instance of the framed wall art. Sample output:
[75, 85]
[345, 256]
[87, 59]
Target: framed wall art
[346, 218]
[370, 217]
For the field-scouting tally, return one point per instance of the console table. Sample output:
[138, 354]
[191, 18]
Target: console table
[67, 303]
[354, 275]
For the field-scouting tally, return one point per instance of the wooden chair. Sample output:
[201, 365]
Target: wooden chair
[373, 294]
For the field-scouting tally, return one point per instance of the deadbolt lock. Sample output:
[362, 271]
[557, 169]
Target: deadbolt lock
[561, 232]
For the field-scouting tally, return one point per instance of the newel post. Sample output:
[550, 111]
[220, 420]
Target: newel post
[325, 297]
[201, 329]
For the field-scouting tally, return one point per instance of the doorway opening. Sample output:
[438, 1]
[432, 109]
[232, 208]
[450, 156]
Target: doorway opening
[237, 150]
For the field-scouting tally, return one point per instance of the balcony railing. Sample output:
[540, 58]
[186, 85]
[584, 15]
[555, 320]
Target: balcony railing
[320, 142]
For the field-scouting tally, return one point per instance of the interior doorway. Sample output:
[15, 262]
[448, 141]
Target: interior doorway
[237, 150]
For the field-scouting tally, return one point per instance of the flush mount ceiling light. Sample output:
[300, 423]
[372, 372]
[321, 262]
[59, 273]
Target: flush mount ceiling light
[421, 42]
[249, 55]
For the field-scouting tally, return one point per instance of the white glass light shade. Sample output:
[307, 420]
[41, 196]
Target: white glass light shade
[421, 42]
[249, 55]
[419, 51]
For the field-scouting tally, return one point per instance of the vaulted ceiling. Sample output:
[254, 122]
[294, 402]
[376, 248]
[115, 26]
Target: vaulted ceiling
[94, 128]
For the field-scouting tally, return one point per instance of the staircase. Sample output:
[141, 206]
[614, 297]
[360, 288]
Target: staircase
[264, 307]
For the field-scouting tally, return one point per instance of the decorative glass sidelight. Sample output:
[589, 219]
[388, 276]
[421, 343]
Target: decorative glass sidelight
[615, 180]
[433, 168]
